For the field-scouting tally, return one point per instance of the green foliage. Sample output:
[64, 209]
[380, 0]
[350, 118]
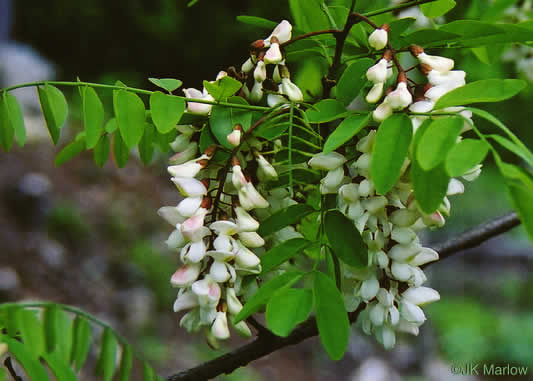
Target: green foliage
[288, 308]
[93, 116]
[345, 240]
[282, 253]
[7, 130]
[392, 144]
[54, 106]
[45, 335]
[223, 88]
[465, 155]
[285, 217]
[166, 111]
[325, 111]
[346, 130]
[331, 317]
[223, 119]
[169, 84]
[437, 8]
[352, 80]
[130, 116]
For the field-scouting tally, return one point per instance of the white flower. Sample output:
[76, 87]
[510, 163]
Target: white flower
[207, 290]
[273, 54]
[401, 271]
[189, 169]
[189, 187]
[412, 313]
[245, 258]
[331, 181]
[265, 170]
[282, 31]
[221, 271]
[198, 108]
[426, 255]
[382, 112]
[234, 304]
[378, 39]
[185, 300]
[251, 239]
[452, 79]
[234, 137]
[292, 91]
[375, 93]
[275, 99]
[472, 173]
[189, 206]
[237, 177]
[193, 227]
[378, 73]
[369, 288]
[185, 275]
[260, 72]
[175, 240]
[193, 252]
[219, 329]
[257, 92]
[171, 215]
[349, 192]
[441, 64]
[247, 66]
[386, 336]
[420, 295]
[250, 198]
[245, 221]
[184, 155]
[377, 314]
[422, 106]
[402, 253]
[400, 98]
[327, 161]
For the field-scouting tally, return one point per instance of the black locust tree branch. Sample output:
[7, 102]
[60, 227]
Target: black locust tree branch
[266, 344]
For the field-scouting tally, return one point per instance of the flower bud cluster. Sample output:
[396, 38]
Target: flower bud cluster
[391, 286]
[215, 256]
[268, 52]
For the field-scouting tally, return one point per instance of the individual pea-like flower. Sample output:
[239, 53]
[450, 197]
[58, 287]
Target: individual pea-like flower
[220, 329]
[401, 97]
[375, 93]
[292, 91]
[382, 112]
[260, 72]
[273, 54]
[327, 161]
[282, 32]
[247, 66]
[245, 222]
[190, 187]
[379, 37]
[185, 275]
[379, 72]
[265, 170]
[234, 137]
[195, 107]
[440, 64]
[257, 92]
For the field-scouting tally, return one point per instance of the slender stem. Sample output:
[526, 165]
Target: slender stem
[11, 370]
[310, 34]
[326, 11]
[397, 7]
[134, 90]
[291, 115]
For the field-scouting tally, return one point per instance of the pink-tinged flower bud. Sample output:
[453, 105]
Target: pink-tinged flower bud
[234, 138]
[257, 92]
[265, 170]
[420, 295]
[400, 98]
[247, 66]
[185, 300]
[245, 221]
[327, 161]
[441, 64]
[251, 239]
[378, 39]
[185, 275]
[250, 198]
[282, 32]
[219, 329]
[377, 314]
[375, 93]
[219, 271]
[401, 271]
[207, 290]
[472, 173]
[198, 108]
[292, 91]
[234, 304]
[426, 255]
[171, 215]
[185, 155]
[412, 313]
[369, 288]
[273, 54]
[175, 240]
[378, 72]
[245, 258]
[382, 112]
[193, 228]
[260, 72]
[189, 187]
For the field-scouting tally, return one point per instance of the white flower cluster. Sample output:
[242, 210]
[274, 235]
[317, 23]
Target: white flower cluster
[218, 255]
[268, 52]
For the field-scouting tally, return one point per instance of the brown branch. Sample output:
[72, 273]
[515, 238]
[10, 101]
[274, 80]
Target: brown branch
[264, 345]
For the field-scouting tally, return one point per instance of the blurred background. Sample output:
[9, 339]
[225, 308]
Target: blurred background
[91, 237]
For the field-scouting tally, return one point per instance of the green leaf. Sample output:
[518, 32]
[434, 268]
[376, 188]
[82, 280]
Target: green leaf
[93, 116]
[33, 368]
[223, 88]
[7, 132]
[288, 308]
[437, 8]
[70, 150]
[259, 22]
[475, 33]
[437, 141]
[331, 316]
[146, 145]
[130, 116]
[265, 292]
[120, 151]
[81, 342]
[106, 364]
[101, 150]
[487, 90]
[345, 240]
[54, 106]
[325, 111]
[111, 126]
[16, 118]
[514, 148]
[126, 363]
[522, 200]
[282, 253]
[148, 372]
[166, 111]
[61, 369]
[223, 119]
[392, 145]
[58, 332]
[284, 217]
[425, 37]
[308, 16]
[465, 155]
[352, 80]
[169, 84]
[31, 331]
